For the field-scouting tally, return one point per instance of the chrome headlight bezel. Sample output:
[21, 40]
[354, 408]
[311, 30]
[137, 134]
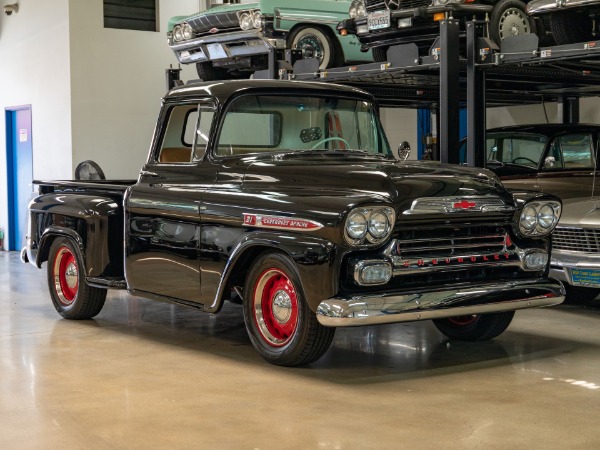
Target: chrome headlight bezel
[187, 31]
[361, 9]
[539, 218]
[178, 33]
[352, 10]
[378, 225]
[257, 18]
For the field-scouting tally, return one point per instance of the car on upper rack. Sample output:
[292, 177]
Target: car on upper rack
[570, 21]
[562, 160]
[379, 24]
[234, 40]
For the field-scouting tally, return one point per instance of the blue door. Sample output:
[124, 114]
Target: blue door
[19, 160]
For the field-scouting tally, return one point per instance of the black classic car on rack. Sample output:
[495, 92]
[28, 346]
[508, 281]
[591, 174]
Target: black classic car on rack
[559, 159]
[285, 196]
[379, 24]
[571, 21]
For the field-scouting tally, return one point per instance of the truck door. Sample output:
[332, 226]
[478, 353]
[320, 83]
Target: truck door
[162, 209]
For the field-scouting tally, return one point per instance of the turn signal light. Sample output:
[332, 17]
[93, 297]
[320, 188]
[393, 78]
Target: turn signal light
[439, 16]
[344, 32]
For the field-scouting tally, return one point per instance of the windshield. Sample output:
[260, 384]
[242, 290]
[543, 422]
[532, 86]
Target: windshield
[275, 123]
[517, 148]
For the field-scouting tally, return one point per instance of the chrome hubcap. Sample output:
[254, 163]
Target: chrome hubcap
[282, 307]
[71, 275]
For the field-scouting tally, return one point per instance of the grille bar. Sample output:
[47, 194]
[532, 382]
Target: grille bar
[378, 5]
[576, 239]
[221, 21]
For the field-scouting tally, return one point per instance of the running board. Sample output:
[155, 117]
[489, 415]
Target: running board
[109, 282]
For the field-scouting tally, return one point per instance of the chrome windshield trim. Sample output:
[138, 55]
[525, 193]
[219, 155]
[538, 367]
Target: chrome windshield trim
[462, 300]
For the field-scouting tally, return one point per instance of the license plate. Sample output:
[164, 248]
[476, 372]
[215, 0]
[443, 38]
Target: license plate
[216, 51]
[379, 19]
[585, 277]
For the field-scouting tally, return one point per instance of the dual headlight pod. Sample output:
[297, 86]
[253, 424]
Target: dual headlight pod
[538, 218]
[357, 9]
[182, 32]
[369, 225]
[250, 19]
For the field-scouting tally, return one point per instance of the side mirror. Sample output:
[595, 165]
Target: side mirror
[403, 151]
[549, 162]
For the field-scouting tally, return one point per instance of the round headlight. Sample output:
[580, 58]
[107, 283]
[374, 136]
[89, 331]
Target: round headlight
[246, 21]
[178, 33]
[546, 216]
[528, 219]
[356, 226]
[187, 31]
[361, 9]
[378, 225]
[257, 19]
[352, 10]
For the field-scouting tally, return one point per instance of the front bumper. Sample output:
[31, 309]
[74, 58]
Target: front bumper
[550, 6]
[465, 299]
[223, 46]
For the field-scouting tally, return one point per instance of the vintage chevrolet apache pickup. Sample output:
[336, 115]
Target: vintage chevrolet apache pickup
[285, 196]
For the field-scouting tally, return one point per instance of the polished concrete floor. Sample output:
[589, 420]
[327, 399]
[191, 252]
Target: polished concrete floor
[152, 375]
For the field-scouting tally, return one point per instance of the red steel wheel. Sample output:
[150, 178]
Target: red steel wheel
[463, 320]
[477, 327]
[66, 280]
[275, 306]
[281, 325]
[72, 297]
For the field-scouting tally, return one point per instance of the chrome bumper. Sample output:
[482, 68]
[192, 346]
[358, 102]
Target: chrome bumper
[463, 300]
[548, 6]
[223, 46]
[563, 260]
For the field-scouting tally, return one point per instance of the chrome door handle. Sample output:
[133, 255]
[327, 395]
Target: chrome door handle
[148, 173]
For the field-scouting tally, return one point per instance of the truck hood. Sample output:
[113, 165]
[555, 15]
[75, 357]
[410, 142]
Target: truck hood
[368, 177]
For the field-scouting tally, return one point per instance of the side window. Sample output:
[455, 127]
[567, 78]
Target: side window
[179, 135]
[571, 151]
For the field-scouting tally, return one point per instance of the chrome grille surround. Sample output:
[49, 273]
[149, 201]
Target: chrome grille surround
[445, 205]
[586, 240]
[455, 249]
[378, 5]
[219, 21]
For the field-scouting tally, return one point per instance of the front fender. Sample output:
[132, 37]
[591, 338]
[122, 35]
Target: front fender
[315, 260]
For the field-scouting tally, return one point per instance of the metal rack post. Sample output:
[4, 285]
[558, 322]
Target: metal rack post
[449, 91]
[476, 103]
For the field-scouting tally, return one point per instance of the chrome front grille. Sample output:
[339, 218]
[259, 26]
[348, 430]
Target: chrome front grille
[378, 5]
[219, 21]
[576, 239]
[451, 243]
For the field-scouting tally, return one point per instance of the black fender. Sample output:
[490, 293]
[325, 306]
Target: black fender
[315, 260]
[94, 223]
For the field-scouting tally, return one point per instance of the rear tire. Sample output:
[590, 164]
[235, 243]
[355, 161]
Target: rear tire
[508, 18]
[281, 326]
[569, 27]
[316, 43]
[71, 296]
[380, 54]
[478, 327]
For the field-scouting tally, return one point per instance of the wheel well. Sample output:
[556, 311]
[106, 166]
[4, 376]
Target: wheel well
[241, 267]
[339, 51]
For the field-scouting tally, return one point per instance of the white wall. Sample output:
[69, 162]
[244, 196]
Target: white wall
[118, 79]
[34, 70]
[401, 125]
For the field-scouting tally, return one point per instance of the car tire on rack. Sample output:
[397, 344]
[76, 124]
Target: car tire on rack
[71, 296]
[208, 72]
[281, 326]
[316, 43]
[380, 54]
[508, 18]
[569, 27]
[477, 327]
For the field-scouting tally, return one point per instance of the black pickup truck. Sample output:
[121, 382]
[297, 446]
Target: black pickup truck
[286, 197]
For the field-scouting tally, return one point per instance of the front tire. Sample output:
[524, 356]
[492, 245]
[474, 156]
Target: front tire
[314, 43]
[71, 296]
[477, 327]
[208, 72]
[508, 18]
[569, 27]
[281, 326]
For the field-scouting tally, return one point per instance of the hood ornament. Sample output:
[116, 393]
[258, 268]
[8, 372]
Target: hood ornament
[392, 5]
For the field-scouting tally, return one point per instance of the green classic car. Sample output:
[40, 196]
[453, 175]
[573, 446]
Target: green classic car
[234, 40]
